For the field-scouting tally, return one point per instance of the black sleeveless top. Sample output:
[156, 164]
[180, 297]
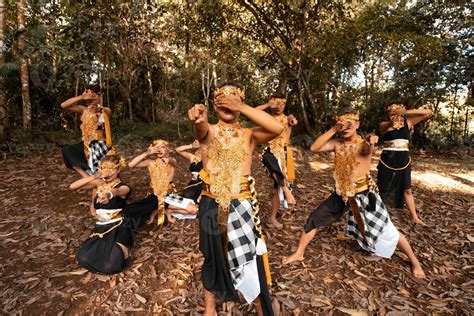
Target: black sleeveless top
[401, 133]
[115, 203]
[195, 167]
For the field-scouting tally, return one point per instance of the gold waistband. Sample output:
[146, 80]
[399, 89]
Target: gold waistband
[243, 194]
[363, 183]
[390, 144]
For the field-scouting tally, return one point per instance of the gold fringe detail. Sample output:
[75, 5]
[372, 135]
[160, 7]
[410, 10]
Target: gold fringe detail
[101, 235]
[396, 169]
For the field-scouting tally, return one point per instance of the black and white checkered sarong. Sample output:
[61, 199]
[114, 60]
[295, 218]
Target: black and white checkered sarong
[97, 151]
[241, 237]
[375, 217]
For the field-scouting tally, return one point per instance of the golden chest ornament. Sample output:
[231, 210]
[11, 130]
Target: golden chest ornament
[345, 163]
[105, 188]
[159, 177]
[227, 153]
[89, 125]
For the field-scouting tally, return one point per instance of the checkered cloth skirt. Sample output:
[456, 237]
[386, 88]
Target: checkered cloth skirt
[375, 217]
[241, 237]
[97, 151]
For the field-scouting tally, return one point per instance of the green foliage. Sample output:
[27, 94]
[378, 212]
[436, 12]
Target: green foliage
[155, 59]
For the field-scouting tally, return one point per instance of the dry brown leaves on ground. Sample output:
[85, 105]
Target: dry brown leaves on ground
[43, 224]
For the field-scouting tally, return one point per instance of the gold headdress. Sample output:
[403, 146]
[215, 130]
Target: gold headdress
[110, 165]
[348, 116]
[229, 90]
[392, 107]
[283, 100]
[160, 142]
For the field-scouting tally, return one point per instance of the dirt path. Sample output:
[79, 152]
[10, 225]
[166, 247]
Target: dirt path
[43, 224]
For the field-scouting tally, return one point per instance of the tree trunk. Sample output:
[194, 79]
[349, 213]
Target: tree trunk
[3, 98]
[301, 101]
[24, 73]
[77, 93]
[152, 95]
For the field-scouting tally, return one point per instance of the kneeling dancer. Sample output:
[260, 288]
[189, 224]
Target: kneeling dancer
[231, 239]
[163, 200]
[369, 222]
[107, 248]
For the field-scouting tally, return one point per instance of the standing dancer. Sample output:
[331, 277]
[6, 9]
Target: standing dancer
[394, 168]
[193, 189]
[85, 156]
[278, 158]
[163, 199]
[107, 248]
[369, 222]
[231, 239]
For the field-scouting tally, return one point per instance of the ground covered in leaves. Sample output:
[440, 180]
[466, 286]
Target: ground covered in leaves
[43, 224]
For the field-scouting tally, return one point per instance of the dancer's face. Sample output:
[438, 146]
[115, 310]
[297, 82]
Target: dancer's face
[349, 129]
[95, 100]
[277, 106]
[161, 151]
[226, 104]
[109, 174]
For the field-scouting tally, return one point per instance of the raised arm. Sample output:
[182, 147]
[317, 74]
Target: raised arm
[384, 126]
[263, 107]
[141, 160]
[324, 143]
[181, 150]
[198, 117]
[68, 104]
[415, 116]
[89, 182]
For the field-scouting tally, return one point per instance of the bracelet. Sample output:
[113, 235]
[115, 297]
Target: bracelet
[111, 195]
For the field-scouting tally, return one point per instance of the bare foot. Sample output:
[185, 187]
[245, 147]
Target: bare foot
[170, 218]
[293, 258]
[418, 221]
[275, 223]
[418, 271]
[152, 217]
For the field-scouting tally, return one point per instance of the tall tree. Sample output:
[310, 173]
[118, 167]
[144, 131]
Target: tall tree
[24, 72]
[3, 99]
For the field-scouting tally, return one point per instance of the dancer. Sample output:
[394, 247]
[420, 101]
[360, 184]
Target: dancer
[193, 189]
[85, 156]
[369, 222]
[278, 158]
[163, 200]
[231, 239]
[107, 248]
[394, 168]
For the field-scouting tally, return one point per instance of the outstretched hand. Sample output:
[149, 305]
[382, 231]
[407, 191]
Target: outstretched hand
[197, 114]
[372, 139]
[292, 121]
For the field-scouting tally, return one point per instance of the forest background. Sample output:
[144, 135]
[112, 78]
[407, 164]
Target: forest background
[155, 59]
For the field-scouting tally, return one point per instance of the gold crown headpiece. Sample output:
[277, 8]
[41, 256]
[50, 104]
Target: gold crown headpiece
[107, 164]
[392, 107]
[158, 142]
[229, 90]
[348, 116]
[279, 100]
